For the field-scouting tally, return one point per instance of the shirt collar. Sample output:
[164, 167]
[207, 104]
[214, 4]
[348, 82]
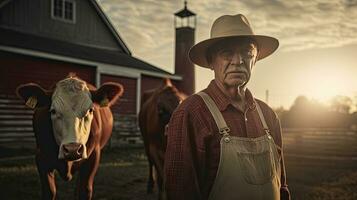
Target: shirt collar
[222, 101]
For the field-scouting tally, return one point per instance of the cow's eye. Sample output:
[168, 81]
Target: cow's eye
[53, 111]
[91, 110]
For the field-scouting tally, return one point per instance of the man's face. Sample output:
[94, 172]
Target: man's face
[232, 62]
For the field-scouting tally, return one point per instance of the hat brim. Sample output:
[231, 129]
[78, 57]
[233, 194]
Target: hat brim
[266, 46]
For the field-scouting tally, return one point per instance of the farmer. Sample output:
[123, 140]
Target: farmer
[222, 142]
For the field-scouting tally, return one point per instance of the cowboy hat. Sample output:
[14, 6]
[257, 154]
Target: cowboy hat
[228, 27]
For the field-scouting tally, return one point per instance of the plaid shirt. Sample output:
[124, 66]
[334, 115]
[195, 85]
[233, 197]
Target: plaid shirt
[193, 143]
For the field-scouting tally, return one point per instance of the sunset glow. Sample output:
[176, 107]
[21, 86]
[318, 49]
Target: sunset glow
[316, 57]
[323, 84]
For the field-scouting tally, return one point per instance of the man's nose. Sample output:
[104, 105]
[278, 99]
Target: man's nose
[236, 59]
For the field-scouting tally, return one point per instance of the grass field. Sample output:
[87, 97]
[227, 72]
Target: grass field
[318, 168]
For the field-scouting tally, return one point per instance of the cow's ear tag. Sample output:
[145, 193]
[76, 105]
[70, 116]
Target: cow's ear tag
[104, 102]
[31, 102]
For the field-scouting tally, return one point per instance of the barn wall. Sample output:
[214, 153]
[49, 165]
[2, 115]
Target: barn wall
[127, 103]
[15, 118]
[149, 83]
[19, 69]
[34, 17]
[125, 130]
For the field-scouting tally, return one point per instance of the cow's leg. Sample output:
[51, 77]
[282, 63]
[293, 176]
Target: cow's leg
[47, 178]
[159, 180]
[160, 177]
[150, 183]
[157, 155]
[87, 172]
[48, 185]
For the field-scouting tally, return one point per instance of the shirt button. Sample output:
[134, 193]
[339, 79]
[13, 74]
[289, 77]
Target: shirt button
[227, 139]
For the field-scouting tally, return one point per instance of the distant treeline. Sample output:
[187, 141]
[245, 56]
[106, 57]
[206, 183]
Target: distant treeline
[306, 113]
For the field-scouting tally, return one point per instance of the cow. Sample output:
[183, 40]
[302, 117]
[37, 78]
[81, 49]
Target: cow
[71, 123]
[156, 109]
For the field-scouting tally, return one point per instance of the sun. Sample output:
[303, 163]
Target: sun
[323, 84]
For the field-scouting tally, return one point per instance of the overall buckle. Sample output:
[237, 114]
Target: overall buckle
[225, 133]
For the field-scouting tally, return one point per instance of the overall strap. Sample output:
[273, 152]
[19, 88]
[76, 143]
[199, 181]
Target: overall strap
[217, 115]
[262, 119]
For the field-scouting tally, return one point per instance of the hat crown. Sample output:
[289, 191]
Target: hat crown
[231, 25]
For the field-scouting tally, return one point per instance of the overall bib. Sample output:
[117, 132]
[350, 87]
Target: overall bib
[249, 168]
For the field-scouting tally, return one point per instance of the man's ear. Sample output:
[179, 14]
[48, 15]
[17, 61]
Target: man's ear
[33, 95]
[107, 94]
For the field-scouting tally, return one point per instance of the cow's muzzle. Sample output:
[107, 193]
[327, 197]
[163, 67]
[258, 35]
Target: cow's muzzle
[73, 151]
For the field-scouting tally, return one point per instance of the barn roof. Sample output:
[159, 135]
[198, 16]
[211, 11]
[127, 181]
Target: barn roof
[34, 42]
[105, 20]
[110, 26]
[38, 43]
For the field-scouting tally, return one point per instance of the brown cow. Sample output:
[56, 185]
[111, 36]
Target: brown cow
[156, 110]
[72, 123]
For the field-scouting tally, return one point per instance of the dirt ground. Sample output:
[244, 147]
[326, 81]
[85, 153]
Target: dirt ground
[123, 173]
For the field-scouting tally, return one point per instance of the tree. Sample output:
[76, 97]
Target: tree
[341, 104]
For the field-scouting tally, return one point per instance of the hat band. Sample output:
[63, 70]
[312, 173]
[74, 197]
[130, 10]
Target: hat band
[232, 32]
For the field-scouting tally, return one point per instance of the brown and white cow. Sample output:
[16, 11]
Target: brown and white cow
[155, 112]
[72, 123]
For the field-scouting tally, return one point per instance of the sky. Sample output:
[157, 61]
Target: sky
[316, 56]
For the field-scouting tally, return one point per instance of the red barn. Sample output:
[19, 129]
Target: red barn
[43, 40]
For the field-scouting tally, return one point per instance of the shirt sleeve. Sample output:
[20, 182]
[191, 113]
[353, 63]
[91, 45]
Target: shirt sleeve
[284, 190]
[180, 176]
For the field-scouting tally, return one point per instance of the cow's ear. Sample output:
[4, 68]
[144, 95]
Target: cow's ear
[107, 94]
[33, 95]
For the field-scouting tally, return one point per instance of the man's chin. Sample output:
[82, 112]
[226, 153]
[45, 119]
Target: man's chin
[235, 84]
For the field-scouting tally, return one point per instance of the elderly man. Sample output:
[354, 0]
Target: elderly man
[222, 142]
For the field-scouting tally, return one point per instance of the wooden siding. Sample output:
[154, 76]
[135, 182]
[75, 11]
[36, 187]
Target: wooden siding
[127, 103]
[15, 122]
[34, 17]
[15, 118]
